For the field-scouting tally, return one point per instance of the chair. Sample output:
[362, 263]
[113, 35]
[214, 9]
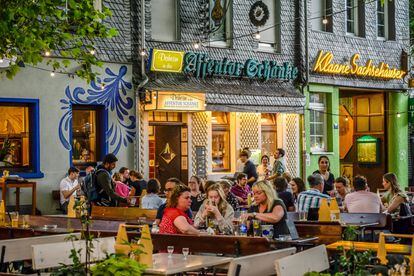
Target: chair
[314, 259]
[258, 264]
[55, 254]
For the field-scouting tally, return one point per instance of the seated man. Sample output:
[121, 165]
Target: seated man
[241, 190]
[362, 201]
[68, 187]
[312, 197]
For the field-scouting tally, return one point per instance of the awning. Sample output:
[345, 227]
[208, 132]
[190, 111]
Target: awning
[237, 95]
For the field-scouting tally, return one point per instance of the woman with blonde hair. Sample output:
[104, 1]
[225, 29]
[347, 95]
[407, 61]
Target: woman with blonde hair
[268, 208]
[216, 210]
[394, 196]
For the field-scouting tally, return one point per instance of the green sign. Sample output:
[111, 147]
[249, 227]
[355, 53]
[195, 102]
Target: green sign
[201, 66]
[411, 110]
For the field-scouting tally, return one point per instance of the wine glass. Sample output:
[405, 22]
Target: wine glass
[170, 250]
[186, 250]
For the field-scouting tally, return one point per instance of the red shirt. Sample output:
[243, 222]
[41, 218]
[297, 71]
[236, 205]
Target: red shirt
[167, 223]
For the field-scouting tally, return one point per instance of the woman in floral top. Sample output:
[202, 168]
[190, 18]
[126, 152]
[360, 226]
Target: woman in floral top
[175, 220]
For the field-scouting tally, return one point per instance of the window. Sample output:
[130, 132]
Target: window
[351, 17]
[19, 137]
[381, 19]
[370, 113]
[164, 20]
[220, 141]
[88, 145]
[317, 106]
[269, 134]
[161, 116]
[270, 32]
[321, 16]
[220, 12]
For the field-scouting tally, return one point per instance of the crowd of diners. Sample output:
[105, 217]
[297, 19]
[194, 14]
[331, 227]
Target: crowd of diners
[265, 194]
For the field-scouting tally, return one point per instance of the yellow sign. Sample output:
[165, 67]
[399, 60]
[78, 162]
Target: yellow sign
[167, 61]
[176, 101]
[325, 65]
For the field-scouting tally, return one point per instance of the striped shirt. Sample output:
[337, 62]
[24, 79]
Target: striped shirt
[310, 199]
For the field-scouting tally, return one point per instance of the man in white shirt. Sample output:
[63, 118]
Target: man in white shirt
[68, 187]
[362, 201]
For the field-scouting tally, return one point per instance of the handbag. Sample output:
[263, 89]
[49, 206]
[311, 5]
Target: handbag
[405, 209]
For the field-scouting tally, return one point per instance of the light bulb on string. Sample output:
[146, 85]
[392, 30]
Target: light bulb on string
[47, 53]
[196, 45]
[143, 52]
[102, 86]
[346, 118]
[52, 74]
[398, 114]
[257, 35]
[324, 21]
[93, 52]
[1, 60]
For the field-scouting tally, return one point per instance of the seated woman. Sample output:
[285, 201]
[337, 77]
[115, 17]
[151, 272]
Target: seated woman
[268, 208]
[216, 209]
[120, 188]
[230, 197]
[175, 220]
[151, 200]
[297, 186]
[394, 196]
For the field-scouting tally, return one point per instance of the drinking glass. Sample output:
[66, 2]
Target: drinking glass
[186, 250]
[14, 219]
[170, 250]
[25, 221]
[303, 216]
[256, 228]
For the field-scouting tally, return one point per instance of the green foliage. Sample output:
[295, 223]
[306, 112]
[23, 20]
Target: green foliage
[118, 265]
[314, 273]
[29, 29]
[355, 263]
[350, 233]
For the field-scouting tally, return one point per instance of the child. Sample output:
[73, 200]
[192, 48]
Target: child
[120, 188]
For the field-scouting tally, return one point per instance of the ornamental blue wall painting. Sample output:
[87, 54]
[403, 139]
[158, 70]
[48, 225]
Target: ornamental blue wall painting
[113, 95]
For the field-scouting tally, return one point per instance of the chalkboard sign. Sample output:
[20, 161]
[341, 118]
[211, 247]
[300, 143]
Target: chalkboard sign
[201, 170]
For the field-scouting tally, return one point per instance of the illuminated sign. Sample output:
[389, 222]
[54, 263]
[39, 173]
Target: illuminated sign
[167, 61]
[163, 100]
[201, 66]
[325, 65]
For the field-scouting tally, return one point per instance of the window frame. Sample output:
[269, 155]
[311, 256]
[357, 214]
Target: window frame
[355, 24]
[277, 47]
[314, 108]
[386, 25]
[177, 24]
[228, 29]
[326, 14]
[102, 119]
[34, 132]
[222, 128]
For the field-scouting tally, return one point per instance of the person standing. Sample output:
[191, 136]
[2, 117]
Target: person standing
[362, 201]
[324, 171]
[279, 166]
[264, 169]
[249, 168]
[104, 184]
[197, 197]
[68, 187]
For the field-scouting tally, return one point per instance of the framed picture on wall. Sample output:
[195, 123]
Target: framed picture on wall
[347, 170]
[184, 134]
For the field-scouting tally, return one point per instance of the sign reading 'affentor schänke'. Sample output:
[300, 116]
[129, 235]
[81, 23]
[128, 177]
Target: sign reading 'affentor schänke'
[324, 64]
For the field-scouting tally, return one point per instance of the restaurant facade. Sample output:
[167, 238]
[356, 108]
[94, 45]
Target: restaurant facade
[54, 120]
[209, 87]
[357, 100]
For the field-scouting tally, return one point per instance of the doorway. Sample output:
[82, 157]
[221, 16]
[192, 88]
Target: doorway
[362, 136]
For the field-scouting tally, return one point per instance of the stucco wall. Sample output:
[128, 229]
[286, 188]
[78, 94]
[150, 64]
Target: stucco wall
[54, 157]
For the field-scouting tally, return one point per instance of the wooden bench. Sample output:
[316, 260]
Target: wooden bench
[258, 264]
[314, 259]
[122, 213]
[20, 249]
[55, 254]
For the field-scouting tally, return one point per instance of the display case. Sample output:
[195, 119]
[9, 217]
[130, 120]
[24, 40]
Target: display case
[368, 150]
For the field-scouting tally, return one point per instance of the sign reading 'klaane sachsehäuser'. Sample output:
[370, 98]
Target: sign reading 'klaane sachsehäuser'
[200, 65]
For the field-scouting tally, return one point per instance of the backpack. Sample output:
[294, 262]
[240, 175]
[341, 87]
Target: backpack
[90, 186]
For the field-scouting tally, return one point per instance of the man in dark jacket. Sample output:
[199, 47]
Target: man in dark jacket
[105, 185]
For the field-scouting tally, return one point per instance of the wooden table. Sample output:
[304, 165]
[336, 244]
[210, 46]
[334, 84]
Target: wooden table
[391, 248]
[18, 185]
[163, 265]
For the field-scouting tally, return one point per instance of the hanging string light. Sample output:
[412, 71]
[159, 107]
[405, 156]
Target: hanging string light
[325, 21]
[52, 74]
[257, 35]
